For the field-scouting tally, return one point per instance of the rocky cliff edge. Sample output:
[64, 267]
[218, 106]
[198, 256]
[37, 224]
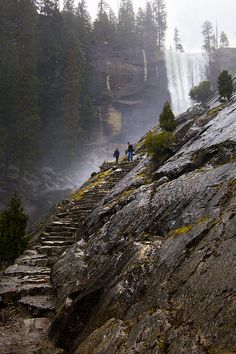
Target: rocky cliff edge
[154, 270]
[141, 259]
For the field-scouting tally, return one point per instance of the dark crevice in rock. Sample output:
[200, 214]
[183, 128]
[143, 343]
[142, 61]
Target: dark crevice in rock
[216, 155]
[66, 329]
[174, 174]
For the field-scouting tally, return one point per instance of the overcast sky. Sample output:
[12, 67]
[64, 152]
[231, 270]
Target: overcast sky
[188, 16]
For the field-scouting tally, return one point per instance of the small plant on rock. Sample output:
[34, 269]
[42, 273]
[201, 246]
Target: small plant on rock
[159, 144]
[167, 118]
[225, 84]
[13, 223]
[201, 92]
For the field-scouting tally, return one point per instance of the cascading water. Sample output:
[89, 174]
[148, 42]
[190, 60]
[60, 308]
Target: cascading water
[184, 70]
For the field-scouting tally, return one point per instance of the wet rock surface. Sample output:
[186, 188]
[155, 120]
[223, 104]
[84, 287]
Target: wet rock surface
[142, 260]
[26, 285]
[154, 271]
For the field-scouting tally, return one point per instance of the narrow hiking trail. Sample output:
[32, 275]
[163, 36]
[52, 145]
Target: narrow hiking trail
[26, 285]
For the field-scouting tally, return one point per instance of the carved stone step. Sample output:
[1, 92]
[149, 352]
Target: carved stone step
[52, 250]
[33, 260]
[13, 288]
[59, 228]
[57, 238]
[62, 215]
[26, 270]
[57, 243]
[38, 304]
[58, 233]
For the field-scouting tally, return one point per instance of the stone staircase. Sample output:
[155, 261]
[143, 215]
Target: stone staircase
[27, 282]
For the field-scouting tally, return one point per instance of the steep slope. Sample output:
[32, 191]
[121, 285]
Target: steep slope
[153, 272]
[149, 255]
[26, 293]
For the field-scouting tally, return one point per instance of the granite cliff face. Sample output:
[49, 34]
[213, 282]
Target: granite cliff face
[129, 89]
[150, 263]
[153, 272]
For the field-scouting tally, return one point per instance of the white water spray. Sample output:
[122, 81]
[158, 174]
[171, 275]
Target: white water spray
[108, 83]
[145, 65]
[184, 70]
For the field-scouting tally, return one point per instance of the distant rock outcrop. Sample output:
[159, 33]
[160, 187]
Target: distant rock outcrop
[41, 190]
[151, 267]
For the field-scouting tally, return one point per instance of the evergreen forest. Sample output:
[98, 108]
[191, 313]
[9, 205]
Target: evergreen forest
[47, 110]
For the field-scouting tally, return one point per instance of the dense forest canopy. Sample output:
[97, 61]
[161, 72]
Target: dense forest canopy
[46, 105]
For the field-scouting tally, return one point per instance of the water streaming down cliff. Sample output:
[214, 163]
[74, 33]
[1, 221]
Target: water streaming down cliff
[184, 70]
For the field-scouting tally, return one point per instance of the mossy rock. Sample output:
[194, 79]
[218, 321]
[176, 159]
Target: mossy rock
[181, 231]
[214, 111]
[92, 183]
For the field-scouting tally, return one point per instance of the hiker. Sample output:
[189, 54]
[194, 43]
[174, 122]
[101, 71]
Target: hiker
[130, 152]
[116, 155]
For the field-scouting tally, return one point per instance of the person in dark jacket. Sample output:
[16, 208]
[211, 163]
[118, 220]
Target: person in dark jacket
[116, 155]
[130, 152]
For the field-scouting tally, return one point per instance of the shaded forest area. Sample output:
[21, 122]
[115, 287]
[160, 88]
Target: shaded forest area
[46, 105]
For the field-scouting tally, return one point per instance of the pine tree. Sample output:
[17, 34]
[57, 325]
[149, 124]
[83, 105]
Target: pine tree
[69, 6]
[149, 28]
[208, 37]
[126, 24]
[48, 7]
[9, 68]
[201, 92]
[112, 19]
[13, 223]
[225, 84]
[167, 118]
[178, 45]
[19, 109]
[140, 27]
[160, 16]
[224, 42]
[102, 27]
[102, 6]
[28, 121]
[84, 25]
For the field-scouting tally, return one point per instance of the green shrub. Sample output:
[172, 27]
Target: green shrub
[225, 84]
[13, 222]
[201, 92]
[159, 144]
[167, 118]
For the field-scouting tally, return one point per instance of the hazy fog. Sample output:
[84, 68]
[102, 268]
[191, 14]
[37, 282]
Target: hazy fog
[188, 16]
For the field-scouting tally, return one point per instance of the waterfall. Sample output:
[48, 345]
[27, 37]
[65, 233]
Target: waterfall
[145, 65]
[108, 83]
[184, 70]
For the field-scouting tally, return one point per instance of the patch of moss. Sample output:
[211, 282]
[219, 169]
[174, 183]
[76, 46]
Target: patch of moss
[148, 180]
[151, 310]
[92, 183]
[124, 194]
[147, 236]
[141, 175]
[78, 195]
[218, 186]
[181, 231]
[145, 175]
[202, 219]
[232, 182]
[162, 345]
[214, 111]
[187, 228]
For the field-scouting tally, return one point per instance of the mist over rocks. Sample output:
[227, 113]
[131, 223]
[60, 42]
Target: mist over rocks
[154, 269]
[42, 189]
